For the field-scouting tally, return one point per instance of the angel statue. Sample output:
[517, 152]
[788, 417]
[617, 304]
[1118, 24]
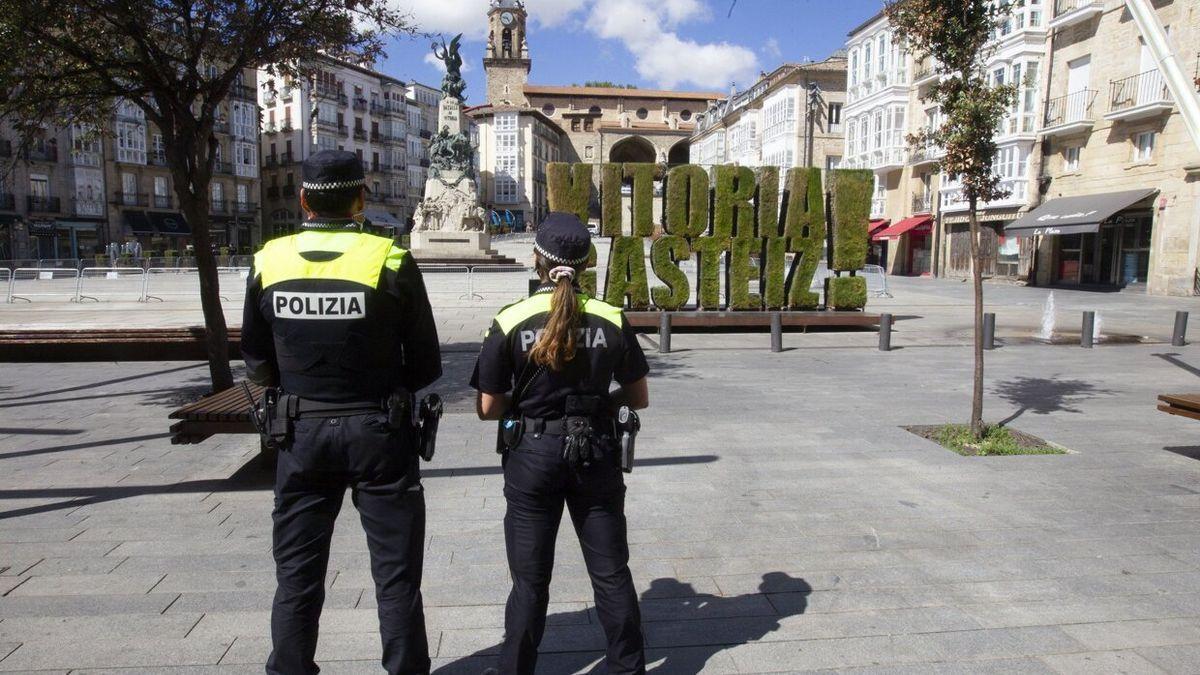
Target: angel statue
[452, 83]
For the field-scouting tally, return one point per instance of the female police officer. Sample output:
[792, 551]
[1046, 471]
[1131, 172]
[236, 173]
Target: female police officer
[558, 352]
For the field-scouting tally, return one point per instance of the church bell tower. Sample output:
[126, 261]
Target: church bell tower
[506, 57]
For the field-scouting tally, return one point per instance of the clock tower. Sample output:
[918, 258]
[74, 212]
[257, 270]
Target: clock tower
[506, 58]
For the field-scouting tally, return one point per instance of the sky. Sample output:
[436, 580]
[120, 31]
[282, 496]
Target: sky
[697, 45]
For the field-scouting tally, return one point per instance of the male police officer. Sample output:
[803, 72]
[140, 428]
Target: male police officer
[339, 321]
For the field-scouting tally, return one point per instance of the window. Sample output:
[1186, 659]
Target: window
[243, 195]
[574, 124]
[1071, 158]
[642, 113]
[835, 116]
[1143, 146]
[160, 153]
[218, 196]
[160, 186]
[39, 186]
[587, 152]
[131, 143]
[587, 124]
[506, 174]
[548, 110]
[129, 188]
[685, 115]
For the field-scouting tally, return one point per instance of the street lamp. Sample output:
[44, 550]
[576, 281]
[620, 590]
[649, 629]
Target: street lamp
[814, 102]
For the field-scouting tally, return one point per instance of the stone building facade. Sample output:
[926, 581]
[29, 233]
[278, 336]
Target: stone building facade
[523, 126]
[345, 107]
[1112, 124]
[74, 191]
[769, 124]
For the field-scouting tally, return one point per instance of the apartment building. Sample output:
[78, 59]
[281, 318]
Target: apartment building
[422, 117]
[1116, 144]
[72, 191]
[769, 124]
[885, 85]
[345, 106]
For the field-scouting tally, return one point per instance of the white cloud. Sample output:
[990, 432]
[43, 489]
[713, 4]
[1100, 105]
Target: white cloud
[647, 28]
[469, 17]
[771, 48]
[440, 65]
[661, 55]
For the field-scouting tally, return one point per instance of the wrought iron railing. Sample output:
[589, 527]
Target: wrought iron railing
[1070, 108]
[1137, 90]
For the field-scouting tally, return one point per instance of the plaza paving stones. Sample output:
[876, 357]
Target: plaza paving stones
[780, 519]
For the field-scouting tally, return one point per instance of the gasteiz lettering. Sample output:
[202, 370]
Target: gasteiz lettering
[320, 305]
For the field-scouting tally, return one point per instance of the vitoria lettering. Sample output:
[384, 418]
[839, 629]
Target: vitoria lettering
[290, 305]
[741, 225]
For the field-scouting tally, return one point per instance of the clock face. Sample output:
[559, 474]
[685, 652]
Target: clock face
[506, 18]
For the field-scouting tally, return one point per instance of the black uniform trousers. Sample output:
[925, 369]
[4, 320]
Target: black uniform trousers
[326, 456]
[537, 482]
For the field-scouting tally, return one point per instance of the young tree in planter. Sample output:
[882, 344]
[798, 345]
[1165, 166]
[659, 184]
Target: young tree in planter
[958, 35]
[72, 61]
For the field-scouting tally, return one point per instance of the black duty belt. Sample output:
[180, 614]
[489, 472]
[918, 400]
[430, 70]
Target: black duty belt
[559, 427]
[307, 407]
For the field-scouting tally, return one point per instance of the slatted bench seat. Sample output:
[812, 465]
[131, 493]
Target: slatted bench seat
[1184, 405]
[225, 412]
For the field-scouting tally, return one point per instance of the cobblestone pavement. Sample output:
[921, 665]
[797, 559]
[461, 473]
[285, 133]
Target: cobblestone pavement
[780, 519]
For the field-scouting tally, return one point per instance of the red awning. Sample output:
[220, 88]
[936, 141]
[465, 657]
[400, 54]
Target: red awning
[877, 225]
[916, 224]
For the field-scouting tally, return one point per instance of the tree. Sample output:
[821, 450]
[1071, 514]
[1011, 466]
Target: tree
[958, 34]
[73, 61]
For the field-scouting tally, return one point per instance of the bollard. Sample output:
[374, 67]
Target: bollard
[885, 332]
[989, 330]
[1179, 336]
[1089, 325]
[664, 332]
[776, 332]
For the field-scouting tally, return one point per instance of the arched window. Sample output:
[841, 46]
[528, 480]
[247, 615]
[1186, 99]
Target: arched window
[548, 109]
[642, 113]
[506, 43]
[685, 115]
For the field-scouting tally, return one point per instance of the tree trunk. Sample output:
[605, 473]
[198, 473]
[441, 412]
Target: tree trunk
[977, 279]
[216, 333]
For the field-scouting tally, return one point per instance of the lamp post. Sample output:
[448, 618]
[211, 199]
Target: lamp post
[814, 102]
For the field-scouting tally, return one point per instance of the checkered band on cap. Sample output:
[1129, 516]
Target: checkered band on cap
[559, 259]
[336, 185]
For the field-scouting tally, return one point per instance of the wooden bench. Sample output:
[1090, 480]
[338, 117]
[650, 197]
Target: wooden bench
[109, 344]
[1184, 405]
[225, 412]
[710, 321]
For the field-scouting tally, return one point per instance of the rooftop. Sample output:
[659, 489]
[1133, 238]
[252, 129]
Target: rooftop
[619, 92]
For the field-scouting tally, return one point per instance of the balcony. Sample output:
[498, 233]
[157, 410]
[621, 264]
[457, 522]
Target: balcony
[88, 207]
[327, 124]
[163, 202]
[270, 161]
[954, 198]
[1071, 12]
[131, 198]
[927, 153]
[243, 92]
[286, 96]
[156, 159]
[1069, 114]
[285, 158]
[243, 208]
[1139, 96]
[922, 203]
[394, 199]
[43, 204]
[221, 126]
[377, 108]
[360, 103]
[223, 168]
[331, 93]
[8, 202]
[48, 153]
[878, 206]
[270, 128]
[218, 206]
[426, 134]
[286, 127]
[887, 159]
[360, 134]
[84, 158]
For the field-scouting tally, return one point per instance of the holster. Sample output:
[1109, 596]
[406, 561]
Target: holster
[628, 425]
[274, 416]
[508, 434]
[430, 415]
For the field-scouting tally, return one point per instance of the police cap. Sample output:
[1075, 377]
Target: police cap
[563, 239]
[333, 170]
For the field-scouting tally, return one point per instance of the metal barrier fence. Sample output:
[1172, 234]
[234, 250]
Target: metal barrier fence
[11, 265]
[449, 280]
[185, 281]
[46, 282]
[111, 283]
[63, 263]
[876, 276]
[508, 281]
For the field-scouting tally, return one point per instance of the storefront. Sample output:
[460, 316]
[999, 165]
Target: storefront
[1000, 253]
[910, 242]
[1093, 240]
[63, 239]
[877, 250]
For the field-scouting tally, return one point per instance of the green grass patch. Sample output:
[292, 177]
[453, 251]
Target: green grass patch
[997, 440]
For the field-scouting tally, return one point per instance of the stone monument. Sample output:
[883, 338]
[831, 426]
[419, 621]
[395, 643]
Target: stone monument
[449, 223]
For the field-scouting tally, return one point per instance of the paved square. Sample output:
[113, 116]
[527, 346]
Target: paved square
[780, 519]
